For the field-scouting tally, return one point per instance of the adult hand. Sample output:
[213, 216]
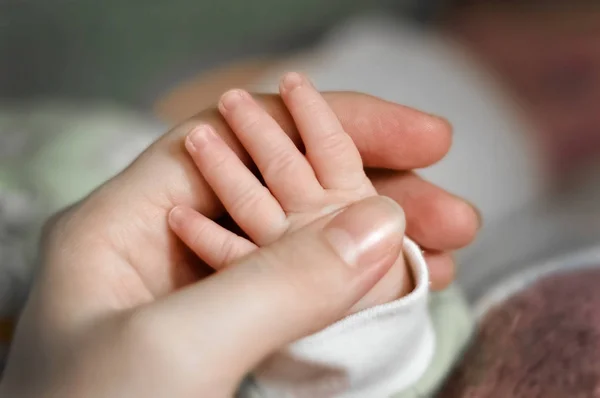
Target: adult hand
[202, 340]
[110, 256]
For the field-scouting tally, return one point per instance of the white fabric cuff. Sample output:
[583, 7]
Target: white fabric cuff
[373, 353]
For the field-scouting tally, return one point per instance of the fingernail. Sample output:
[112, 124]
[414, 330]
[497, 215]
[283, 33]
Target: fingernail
[230, 99]
[291, 81]
[367, 232]
[199, 137]
[176, 216]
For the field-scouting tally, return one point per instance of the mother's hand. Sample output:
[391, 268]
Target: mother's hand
[113, 251]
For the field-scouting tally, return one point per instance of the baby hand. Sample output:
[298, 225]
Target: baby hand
[300, 189]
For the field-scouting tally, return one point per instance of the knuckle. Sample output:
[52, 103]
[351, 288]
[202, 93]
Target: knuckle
[198, 233]
[55, 222]
[313, 105]
[58, 228]
[280, 163]
[217, 162]
[49, 230]
[248, 198]
[334, 143]
[250, 121]
[229, 251]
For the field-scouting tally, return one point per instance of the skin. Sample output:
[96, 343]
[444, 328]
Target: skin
[120, 307]
[301, 189]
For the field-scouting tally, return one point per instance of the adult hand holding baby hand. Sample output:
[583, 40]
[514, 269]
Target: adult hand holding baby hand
[117, 309]
[202, 340]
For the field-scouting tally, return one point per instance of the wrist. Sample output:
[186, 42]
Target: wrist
[376, 352]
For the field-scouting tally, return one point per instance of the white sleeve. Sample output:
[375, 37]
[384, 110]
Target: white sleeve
[373, 353]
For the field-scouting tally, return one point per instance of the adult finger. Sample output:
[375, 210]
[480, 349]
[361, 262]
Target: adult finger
[281, 292]
[387, 135]
[164, 176]
[435, 219]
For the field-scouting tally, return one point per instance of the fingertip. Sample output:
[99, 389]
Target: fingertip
[200, 137]
[442, 130]
[367, 231]
[444, 222]
[464, 219]
[441, 125]
[442, 270]
[478, 215]
[179, 217]
[290, 81]
[395, 206]
[435, 137]
[231, 99]
[176, 216]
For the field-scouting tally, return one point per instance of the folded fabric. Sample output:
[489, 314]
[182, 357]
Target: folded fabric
[403, 349]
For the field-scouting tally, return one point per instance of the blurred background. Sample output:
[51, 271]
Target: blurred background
[85, 85]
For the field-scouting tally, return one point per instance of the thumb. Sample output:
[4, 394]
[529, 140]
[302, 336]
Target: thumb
[279, 293]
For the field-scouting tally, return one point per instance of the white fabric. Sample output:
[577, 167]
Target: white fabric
[373, 353]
